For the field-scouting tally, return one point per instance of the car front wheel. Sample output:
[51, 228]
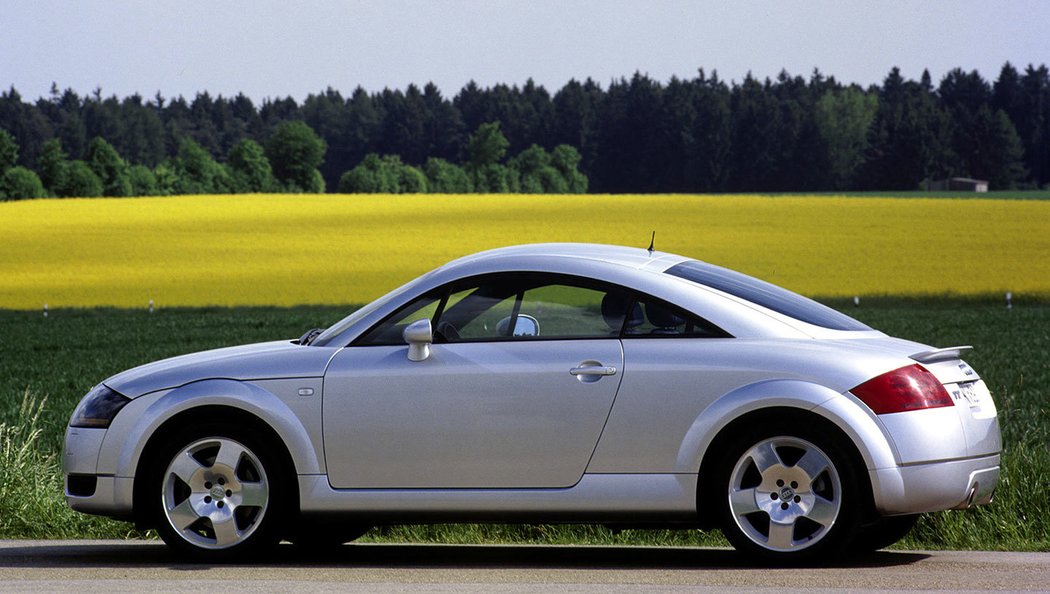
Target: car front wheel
[789, 496]
[220, 493]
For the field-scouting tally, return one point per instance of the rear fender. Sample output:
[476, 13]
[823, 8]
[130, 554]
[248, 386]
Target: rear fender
[859, 425]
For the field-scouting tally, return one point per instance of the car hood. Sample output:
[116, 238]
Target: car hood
[266, 360]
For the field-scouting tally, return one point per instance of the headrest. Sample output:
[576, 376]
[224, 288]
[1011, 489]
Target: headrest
[614, 308]
[662, 317]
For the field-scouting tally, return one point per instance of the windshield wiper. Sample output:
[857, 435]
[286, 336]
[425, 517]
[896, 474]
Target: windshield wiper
[310, 335]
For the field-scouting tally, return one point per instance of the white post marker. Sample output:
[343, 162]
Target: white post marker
[151, 306]
[45, 310]
[856, 301]
[1009, 300]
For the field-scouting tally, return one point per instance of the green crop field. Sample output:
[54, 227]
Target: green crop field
[46, 364]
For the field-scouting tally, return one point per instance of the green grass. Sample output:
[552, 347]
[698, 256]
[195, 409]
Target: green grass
[47, 364]
[1012, 354]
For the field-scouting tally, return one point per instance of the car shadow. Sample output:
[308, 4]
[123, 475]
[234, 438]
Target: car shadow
[118, 554]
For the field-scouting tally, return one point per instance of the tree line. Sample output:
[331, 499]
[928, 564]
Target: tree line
[633, 135]
[293, 148]
[287, 163]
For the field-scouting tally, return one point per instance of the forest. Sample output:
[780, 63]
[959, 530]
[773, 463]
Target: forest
[637, 134]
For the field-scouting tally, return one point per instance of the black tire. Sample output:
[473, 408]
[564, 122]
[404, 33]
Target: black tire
[327, 533]
[218, 491]
[788, 494]
[883, 532]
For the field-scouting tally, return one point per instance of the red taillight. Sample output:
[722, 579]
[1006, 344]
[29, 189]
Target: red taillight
[907, 388]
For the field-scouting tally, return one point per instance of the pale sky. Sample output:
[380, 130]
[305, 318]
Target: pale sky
[278, 48]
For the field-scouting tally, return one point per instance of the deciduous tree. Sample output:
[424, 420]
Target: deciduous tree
[295, 151]
[19, 183]
[143, 181]
[250, 168]
[843, 122]
[446, 178]
[196, 172]
[51, 165]
[109, 167]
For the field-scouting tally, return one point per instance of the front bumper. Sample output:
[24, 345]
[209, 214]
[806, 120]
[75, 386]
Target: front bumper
[112, 497]
[935, 486]
[86, 490]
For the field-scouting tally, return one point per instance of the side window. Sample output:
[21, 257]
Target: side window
[651, 318]
[480, 314]
[566, 311]
[529, 307]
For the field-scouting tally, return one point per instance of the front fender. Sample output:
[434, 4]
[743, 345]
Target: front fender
[132, 428]
[858, 424]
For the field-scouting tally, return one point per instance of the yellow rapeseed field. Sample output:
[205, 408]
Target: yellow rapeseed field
[302, 249]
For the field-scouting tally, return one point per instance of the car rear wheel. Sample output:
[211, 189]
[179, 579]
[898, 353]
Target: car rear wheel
[325, 533]
[788, 495]
[220, 493]
[883, 532]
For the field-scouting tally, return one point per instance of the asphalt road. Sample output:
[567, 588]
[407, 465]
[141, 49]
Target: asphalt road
[106, 566]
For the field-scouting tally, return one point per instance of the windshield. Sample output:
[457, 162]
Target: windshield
[765, 294]
[342, 325]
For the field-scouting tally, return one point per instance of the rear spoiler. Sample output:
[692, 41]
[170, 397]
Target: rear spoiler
[945, 354]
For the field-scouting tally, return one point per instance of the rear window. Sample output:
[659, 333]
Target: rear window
[765, 294]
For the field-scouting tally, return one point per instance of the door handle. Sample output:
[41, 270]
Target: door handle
[592, 370]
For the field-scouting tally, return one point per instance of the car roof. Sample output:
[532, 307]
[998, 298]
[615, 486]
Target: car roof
[642, 269]
[637, 268]
[636, 258]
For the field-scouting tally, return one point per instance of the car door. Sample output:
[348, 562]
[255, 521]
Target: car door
[514, 393]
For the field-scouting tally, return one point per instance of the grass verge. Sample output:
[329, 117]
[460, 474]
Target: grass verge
[31, 502]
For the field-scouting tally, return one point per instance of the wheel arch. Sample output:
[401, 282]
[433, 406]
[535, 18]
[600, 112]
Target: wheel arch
[786, 402]
[158, 409]
[210, 412]
[243, 403]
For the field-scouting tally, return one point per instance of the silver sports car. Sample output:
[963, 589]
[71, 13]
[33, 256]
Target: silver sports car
[567, 383]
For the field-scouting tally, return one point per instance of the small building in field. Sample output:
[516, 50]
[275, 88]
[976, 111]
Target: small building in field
[957, 184]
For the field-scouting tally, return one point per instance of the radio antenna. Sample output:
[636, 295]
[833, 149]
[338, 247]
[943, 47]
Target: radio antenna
[652, 242]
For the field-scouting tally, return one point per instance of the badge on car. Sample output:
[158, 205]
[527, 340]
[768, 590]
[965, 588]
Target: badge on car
[968, 391]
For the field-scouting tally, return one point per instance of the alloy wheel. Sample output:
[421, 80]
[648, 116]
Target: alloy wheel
[785, 494]
[215, 493]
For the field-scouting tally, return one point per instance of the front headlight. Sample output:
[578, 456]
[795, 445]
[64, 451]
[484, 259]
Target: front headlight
[98, 408]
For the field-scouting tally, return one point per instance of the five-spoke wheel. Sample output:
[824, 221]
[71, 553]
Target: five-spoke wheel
[215, 492]
[788, 496]
[784, 493]
[218, 493]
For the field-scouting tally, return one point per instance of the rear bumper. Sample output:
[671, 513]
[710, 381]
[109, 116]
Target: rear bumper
[935, 486]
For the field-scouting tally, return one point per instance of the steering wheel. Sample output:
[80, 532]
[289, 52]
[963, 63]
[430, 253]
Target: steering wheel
[447, 331]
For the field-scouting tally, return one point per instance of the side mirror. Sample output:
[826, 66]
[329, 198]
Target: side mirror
[418, 335]
[525, 325]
